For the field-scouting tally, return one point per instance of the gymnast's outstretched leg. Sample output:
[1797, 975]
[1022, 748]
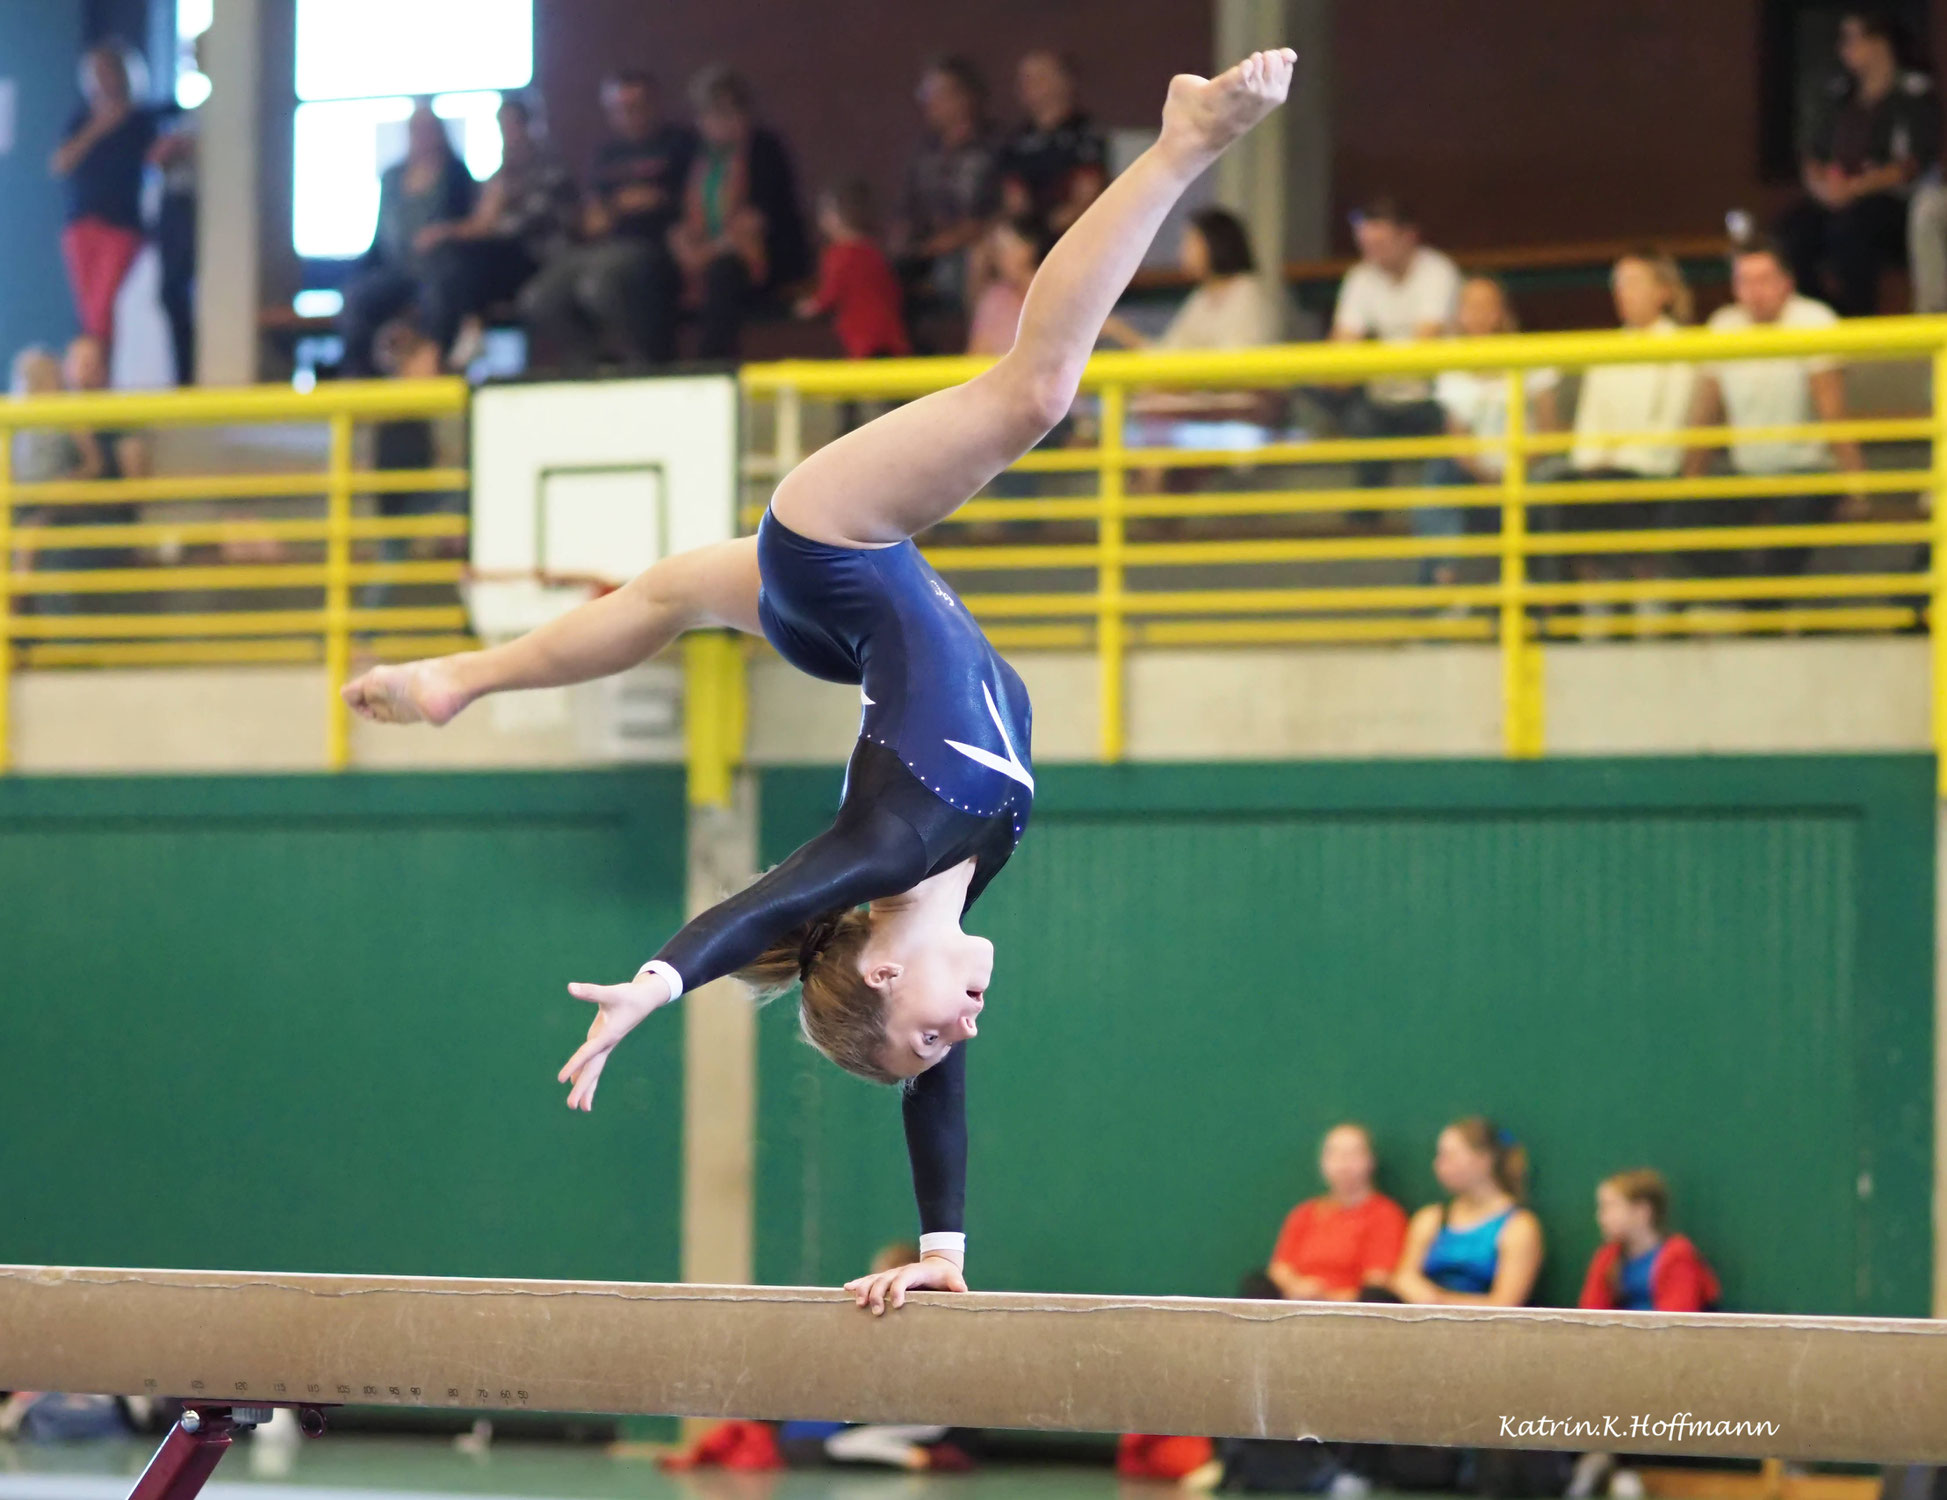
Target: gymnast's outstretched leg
[706, 586]
[915, 466]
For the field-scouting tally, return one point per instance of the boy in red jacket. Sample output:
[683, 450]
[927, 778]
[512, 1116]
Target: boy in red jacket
[856, 284]
[1640, 1268]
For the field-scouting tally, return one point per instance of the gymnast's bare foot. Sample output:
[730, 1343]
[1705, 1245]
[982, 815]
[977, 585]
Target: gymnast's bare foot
[414, 692]
[1203, 116]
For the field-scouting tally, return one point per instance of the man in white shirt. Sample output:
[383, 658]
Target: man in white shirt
[1770, 393]
[1399, 291]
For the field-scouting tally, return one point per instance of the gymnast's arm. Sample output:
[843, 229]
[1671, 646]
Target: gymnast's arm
[868, 852]
[708, 586]
[935, 1108]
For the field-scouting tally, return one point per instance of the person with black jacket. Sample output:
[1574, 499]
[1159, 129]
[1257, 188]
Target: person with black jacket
[1878, 132]
[742, 236]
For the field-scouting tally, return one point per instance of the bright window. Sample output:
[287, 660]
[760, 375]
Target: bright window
[193, 18]
[360, 49]
[359, 65]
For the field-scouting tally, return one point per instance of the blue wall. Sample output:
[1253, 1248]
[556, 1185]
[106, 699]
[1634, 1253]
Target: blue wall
[40, 41]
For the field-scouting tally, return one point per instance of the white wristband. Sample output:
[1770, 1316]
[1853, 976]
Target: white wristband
[664, 972]
[953, 1243]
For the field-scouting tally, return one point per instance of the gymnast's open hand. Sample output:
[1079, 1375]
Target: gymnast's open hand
[620, 1008]
[939, 1272]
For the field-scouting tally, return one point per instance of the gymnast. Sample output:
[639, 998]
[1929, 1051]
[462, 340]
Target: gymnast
[866, 917]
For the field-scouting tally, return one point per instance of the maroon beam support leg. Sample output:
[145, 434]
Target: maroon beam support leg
[197, 1443]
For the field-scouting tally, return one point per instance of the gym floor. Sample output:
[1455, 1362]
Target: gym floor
[352, 1466]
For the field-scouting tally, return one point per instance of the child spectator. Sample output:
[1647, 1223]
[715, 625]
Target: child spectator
[1641, 1267]
[857, 289]
[1015, 248]
[1333, 1247]
[41, 453]
[1480, 1247]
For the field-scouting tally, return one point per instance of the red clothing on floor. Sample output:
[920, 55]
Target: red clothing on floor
[1343, 1247]
[98, 255]
[1681, 1280]
[857, 287]
[731, 1445]
[1140, 1455]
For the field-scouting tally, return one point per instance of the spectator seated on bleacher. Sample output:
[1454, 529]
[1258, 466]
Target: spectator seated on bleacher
[952, 184]
[1480, 1247]
[1641, 1266]
[1770, 393]
[1878, 131]
[1229, 307]
[1617, 401]
[419, 198]
[522, 219]
[40, 454]
[741, 239]
[1334, 1247]
[615, 289]
[1475, 404]
[1400, 290]
[102, 454]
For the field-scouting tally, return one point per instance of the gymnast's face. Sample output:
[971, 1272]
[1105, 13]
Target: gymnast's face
[934, 992]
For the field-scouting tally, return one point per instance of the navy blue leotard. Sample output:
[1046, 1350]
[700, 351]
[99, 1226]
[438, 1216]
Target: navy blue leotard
[941, 774]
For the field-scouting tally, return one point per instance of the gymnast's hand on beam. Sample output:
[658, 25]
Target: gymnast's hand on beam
[939, 1272]
[620, 1008]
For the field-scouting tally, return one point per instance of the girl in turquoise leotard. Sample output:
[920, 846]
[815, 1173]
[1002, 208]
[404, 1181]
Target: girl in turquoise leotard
[1480, 1246]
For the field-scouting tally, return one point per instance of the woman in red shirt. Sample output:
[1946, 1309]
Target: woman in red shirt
[1335, 1246]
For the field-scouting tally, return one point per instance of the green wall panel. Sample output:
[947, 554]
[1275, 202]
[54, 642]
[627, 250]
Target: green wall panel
[1721, 968]
[313, 1023]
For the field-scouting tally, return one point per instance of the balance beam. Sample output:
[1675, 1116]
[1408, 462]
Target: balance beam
[1870, 1390]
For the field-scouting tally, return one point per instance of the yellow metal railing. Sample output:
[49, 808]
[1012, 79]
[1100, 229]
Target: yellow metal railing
[211, 610]
[1083, 578]
[1262, 553]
